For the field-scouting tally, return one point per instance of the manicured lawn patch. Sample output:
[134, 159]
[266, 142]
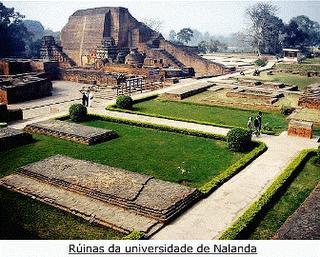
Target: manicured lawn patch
[24, 218]
[229, 117]
[285, 204]
[148, 151]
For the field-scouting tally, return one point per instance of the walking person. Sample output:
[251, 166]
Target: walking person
[257, 126]
[260, 121]
[250, 125]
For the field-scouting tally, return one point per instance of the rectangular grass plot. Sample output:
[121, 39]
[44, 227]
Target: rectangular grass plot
[71, 131]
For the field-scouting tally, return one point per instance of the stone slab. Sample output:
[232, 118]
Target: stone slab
[10, 138]
[71, 131]
[143, 194]
[184, 92]
[81, 205]
[304, 223]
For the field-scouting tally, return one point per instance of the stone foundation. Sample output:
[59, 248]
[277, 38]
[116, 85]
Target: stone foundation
[71, 131]
[10, 138]
[300, 128]
[24, 87]
[182, 93]
[266, 96]
[109, 196]
[304, 223]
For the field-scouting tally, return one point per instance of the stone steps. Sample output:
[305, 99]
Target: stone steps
[71, 131]
[90, 209]
[142, 194]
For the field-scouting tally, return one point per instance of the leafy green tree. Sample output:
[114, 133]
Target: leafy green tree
[13, 34]
[185, 35]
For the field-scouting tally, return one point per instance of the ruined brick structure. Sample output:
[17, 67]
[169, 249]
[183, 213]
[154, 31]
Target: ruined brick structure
[300, 128]
[86, 29]
[311, 97]
[24, 87]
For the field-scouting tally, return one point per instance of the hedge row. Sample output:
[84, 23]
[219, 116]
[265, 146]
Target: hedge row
[113, 107]
[243, 221]
[233, 169]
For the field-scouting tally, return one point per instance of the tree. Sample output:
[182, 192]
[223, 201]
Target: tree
[202, 47]
[154, 24]
[301, 31]
[172, 36]
[265, 28]
[13, 34]
[185, 35]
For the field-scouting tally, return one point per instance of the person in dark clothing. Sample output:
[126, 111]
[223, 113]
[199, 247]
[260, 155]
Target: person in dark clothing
[256, 124]
[84, 99]
[260, 121]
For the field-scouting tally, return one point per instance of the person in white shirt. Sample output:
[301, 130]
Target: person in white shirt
[90, 98]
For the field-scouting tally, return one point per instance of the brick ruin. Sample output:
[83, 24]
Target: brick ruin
[112, 35]
[311, 97]
[24, 87]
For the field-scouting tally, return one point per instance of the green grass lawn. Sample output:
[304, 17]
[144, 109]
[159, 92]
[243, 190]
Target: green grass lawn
[282, 207]
[148, 151]
[301, 81]
[24, 218]
[210, 114]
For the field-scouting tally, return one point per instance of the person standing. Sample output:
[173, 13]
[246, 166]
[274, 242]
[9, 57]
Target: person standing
[256, 126]
[260, 121]
[250, 125]
[90, 98]
[84, 98]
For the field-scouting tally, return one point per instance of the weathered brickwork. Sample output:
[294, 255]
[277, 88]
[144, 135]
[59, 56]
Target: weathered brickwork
[311, 97]
[300, 128]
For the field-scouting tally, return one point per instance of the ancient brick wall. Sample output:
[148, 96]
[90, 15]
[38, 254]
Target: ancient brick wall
[300, 129]
[11, 66]
[32, 89]
[200, 65]
[88, 77]
[125, 68]
[86, 29]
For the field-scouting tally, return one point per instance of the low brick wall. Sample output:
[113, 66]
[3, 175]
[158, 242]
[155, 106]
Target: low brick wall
[24, 91]
[88, 76]
[300, 128]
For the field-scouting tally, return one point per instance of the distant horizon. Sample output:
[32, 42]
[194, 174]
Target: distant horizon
[219, 18]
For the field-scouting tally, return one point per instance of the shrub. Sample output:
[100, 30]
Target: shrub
[238, 139]
[77, 112]
[317, 157]
[286, 110]
[134, 235]
[124, 102]
[260, 62]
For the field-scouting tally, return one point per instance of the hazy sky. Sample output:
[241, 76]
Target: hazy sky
[216, 17]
